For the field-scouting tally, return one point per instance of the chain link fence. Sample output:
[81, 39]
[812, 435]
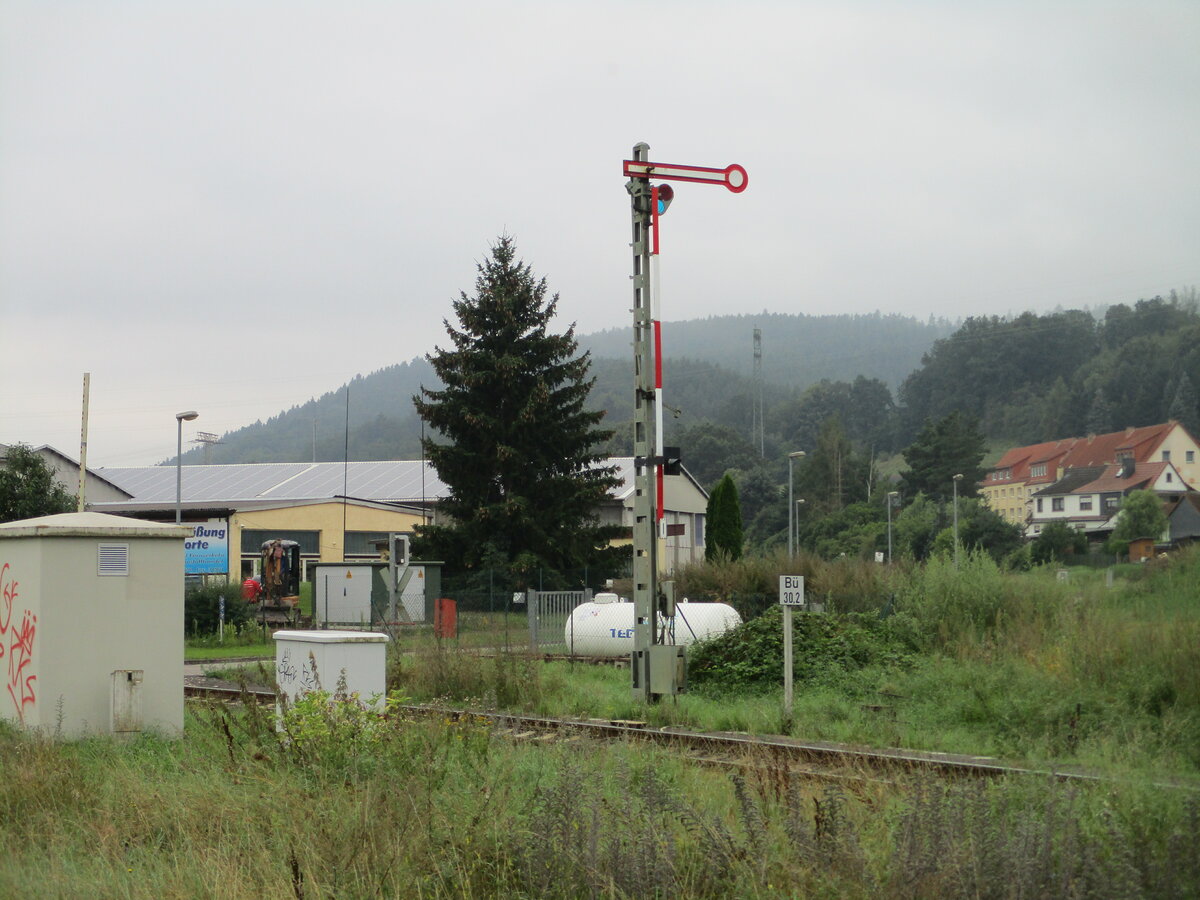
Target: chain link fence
[494, 613]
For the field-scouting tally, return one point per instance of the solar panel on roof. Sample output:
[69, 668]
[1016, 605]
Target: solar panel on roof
[383, 481]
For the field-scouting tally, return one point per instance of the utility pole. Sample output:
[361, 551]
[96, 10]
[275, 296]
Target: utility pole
[83, 432]
[956, 480]
[891, 501]
[758, 426]
[657, 668]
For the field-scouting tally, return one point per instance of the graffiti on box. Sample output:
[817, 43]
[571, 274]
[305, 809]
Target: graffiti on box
[295, 679]
[16, 645]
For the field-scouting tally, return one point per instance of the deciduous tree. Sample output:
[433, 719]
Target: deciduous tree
[28, 488]
[1141, 516]
[1056, 542]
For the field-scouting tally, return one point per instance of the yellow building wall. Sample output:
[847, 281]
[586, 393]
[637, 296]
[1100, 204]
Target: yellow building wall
[1179, 443]
[327, 518]
[1006, 500]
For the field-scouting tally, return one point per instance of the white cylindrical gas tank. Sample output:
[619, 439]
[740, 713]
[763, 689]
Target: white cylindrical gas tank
[604, 627]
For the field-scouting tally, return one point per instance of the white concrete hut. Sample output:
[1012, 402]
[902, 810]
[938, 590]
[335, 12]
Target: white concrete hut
[91, 625]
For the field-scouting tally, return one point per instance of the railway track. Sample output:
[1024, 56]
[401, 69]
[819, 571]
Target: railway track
[821, 759]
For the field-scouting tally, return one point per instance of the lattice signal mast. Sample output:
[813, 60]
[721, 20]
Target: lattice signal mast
[657, 667]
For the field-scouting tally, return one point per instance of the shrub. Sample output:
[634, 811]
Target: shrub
[963, 604]
[1057, 541]
[751, 584]
[201, 608]
[825, 647]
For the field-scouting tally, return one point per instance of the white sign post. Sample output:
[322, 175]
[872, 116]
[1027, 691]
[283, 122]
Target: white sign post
[791, 594]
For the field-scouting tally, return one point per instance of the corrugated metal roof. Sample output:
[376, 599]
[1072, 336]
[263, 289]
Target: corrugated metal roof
[394, 481]
[391, 481]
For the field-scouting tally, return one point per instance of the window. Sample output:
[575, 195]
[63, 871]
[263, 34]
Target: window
[1085, 503]
[362, 543]
[1039, 505]
[1037, 471]
[699, 530]
[252, 540]
[1057, 504]
[1166, 456]
[1190, 456]
[1169, 478]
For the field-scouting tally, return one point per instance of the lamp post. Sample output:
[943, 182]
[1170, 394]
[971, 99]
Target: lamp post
[180, 418]
[792, 457]
[799, 503]
[891, 498]
[957, 478]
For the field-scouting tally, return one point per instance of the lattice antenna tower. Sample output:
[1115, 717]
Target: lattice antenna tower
[757, 426]
[207, 438]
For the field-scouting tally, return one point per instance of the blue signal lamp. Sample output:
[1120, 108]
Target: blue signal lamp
[666, 194]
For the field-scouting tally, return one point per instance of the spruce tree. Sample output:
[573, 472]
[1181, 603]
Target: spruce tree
[525, 481]
[1184, 408]
[1100, 414]
[943, 449]
[724, 515]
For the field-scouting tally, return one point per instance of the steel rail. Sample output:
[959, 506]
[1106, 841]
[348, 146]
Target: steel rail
[781, 748]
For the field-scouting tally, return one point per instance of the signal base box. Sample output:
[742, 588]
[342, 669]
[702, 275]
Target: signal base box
[663, 667]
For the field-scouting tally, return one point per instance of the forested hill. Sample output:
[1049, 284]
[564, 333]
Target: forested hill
[1034, 378]
[1027, 378]
[708, 377]
[797, 350]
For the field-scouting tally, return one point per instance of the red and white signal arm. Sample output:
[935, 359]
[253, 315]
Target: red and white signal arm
[732, 177]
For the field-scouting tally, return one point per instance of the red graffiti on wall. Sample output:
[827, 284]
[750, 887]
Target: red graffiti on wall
[16, 645]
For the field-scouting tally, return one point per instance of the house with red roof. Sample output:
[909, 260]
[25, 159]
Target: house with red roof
[1007, 486]
[1088, 498]
[1011, 484]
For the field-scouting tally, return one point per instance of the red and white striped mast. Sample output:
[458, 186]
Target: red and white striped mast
[657, 669]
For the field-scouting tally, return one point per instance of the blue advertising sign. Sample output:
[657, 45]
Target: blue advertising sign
[206, 552]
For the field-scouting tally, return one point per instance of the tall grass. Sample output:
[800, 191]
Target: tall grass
[844, 585]
[972, 659]
[358, 805]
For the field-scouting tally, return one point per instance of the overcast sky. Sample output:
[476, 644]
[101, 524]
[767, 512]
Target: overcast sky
[233, 207]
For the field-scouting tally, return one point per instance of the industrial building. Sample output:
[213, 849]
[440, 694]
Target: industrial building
[338, 511]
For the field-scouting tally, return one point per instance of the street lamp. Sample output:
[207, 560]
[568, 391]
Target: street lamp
[180, 418]
[792, 457]
[891, 498]
[956, 480]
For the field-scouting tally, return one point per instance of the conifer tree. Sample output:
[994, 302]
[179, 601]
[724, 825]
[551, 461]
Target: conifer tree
[1100, 414]
[525, 481]
[943, 449]
[724, 515]
[1184, 408]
